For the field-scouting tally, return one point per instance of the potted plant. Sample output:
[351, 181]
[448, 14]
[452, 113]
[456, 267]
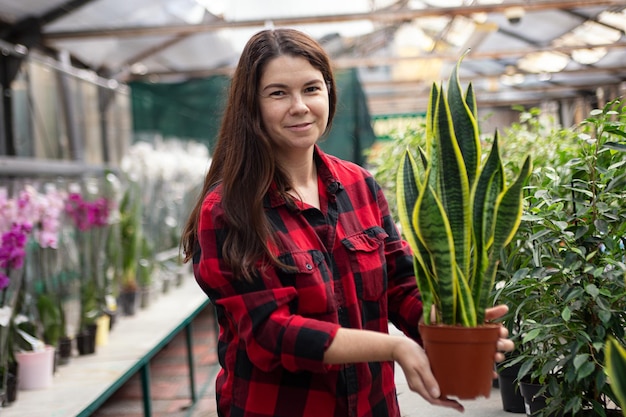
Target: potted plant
[145, 271]
[130, 239]
[13, 238]
[511, 292]
[572, 295]
[457, 215]
[90, 217]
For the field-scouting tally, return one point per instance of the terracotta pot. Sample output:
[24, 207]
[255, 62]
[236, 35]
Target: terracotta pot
[461, 358]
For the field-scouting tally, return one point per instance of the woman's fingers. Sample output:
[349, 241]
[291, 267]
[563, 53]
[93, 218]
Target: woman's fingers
[504, 343]
[496, 312]
[420, 379]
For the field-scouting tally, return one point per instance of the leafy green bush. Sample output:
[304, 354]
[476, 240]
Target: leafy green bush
[383, 158]
[565, 274]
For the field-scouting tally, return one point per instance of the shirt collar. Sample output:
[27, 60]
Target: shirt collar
[325, 172]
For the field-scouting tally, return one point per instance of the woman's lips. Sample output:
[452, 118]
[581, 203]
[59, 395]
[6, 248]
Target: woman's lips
[299, 126]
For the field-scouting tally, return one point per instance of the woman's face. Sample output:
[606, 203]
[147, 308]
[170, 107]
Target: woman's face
[294, 103]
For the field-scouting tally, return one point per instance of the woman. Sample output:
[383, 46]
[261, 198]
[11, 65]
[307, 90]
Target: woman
[299, 254]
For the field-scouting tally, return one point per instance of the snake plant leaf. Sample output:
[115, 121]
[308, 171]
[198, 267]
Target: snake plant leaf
[509, 209]
[616, 369]
[490, 185]
[466, 311]
[453, 185]
[428, 288]
[485, 193]
[407, 186]
[431, 111]
[465, 125]
[459, 215]
[470, 100]
[423, 157]
[507, 219]
[433, 230]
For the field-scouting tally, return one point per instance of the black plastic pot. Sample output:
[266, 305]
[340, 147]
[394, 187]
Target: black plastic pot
[64, 350]
[127, 302]
[86, 340]
[512, 399]
[532, 401]
[11, 384]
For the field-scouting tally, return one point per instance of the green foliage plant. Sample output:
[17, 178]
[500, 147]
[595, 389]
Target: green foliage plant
[456, 212]
[383, 157]
[567, 290]
[131, 235]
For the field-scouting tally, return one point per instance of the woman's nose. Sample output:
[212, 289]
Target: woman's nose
[298, 104]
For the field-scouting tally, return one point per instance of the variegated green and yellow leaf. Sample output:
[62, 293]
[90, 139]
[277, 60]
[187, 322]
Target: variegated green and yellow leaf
[453, 187]
[509, 209]
[485, 194]
[407, 188]
[433, 230]
[428, 287]
[466, 310]
[470, 99]
[507, 219]
[464, 124]
[431, 111]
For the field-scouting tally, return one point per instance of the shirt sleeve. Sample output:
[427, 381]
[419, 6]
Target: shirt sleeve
[257, 315]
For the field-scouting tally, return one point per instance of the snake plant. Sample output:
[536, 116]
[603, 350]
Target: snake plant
[616, 369]
[456, 212]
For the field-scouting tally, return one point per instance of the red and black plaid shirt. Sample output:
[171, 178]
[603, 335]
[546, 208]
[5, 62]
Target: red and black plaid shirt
[353, 271]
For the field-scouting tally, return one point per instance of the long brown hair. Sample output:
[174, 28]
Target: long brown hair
[243, 160]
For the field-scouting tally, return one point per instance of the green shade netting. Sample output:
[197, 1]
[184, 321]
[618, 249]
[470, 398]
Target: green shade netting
[193, 109]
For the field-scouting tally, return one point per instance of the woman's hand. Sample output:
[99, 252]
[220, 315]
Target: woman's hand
[414, 363]
[504, 343]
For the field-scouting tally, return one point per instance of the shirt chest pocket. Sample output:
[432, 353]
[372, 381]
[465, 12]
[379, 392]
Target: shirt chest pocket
[366, 252]
[311, 279]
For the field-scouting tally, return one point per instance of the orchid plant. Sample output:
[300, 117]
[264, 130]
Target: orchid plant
[15, 227]
[46, 264]
[90, 218]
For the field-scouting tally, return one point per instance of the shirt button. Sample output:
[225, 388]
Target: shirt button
[309, 266]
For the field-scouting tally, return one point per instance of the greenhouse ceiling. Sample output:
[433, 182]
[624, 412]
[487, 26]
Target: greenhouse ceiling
[520, 52]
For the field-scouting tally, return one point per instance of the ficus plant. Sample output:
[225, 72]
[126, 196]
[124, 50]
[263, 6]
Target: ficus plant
[456, 211]
[567, 293]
